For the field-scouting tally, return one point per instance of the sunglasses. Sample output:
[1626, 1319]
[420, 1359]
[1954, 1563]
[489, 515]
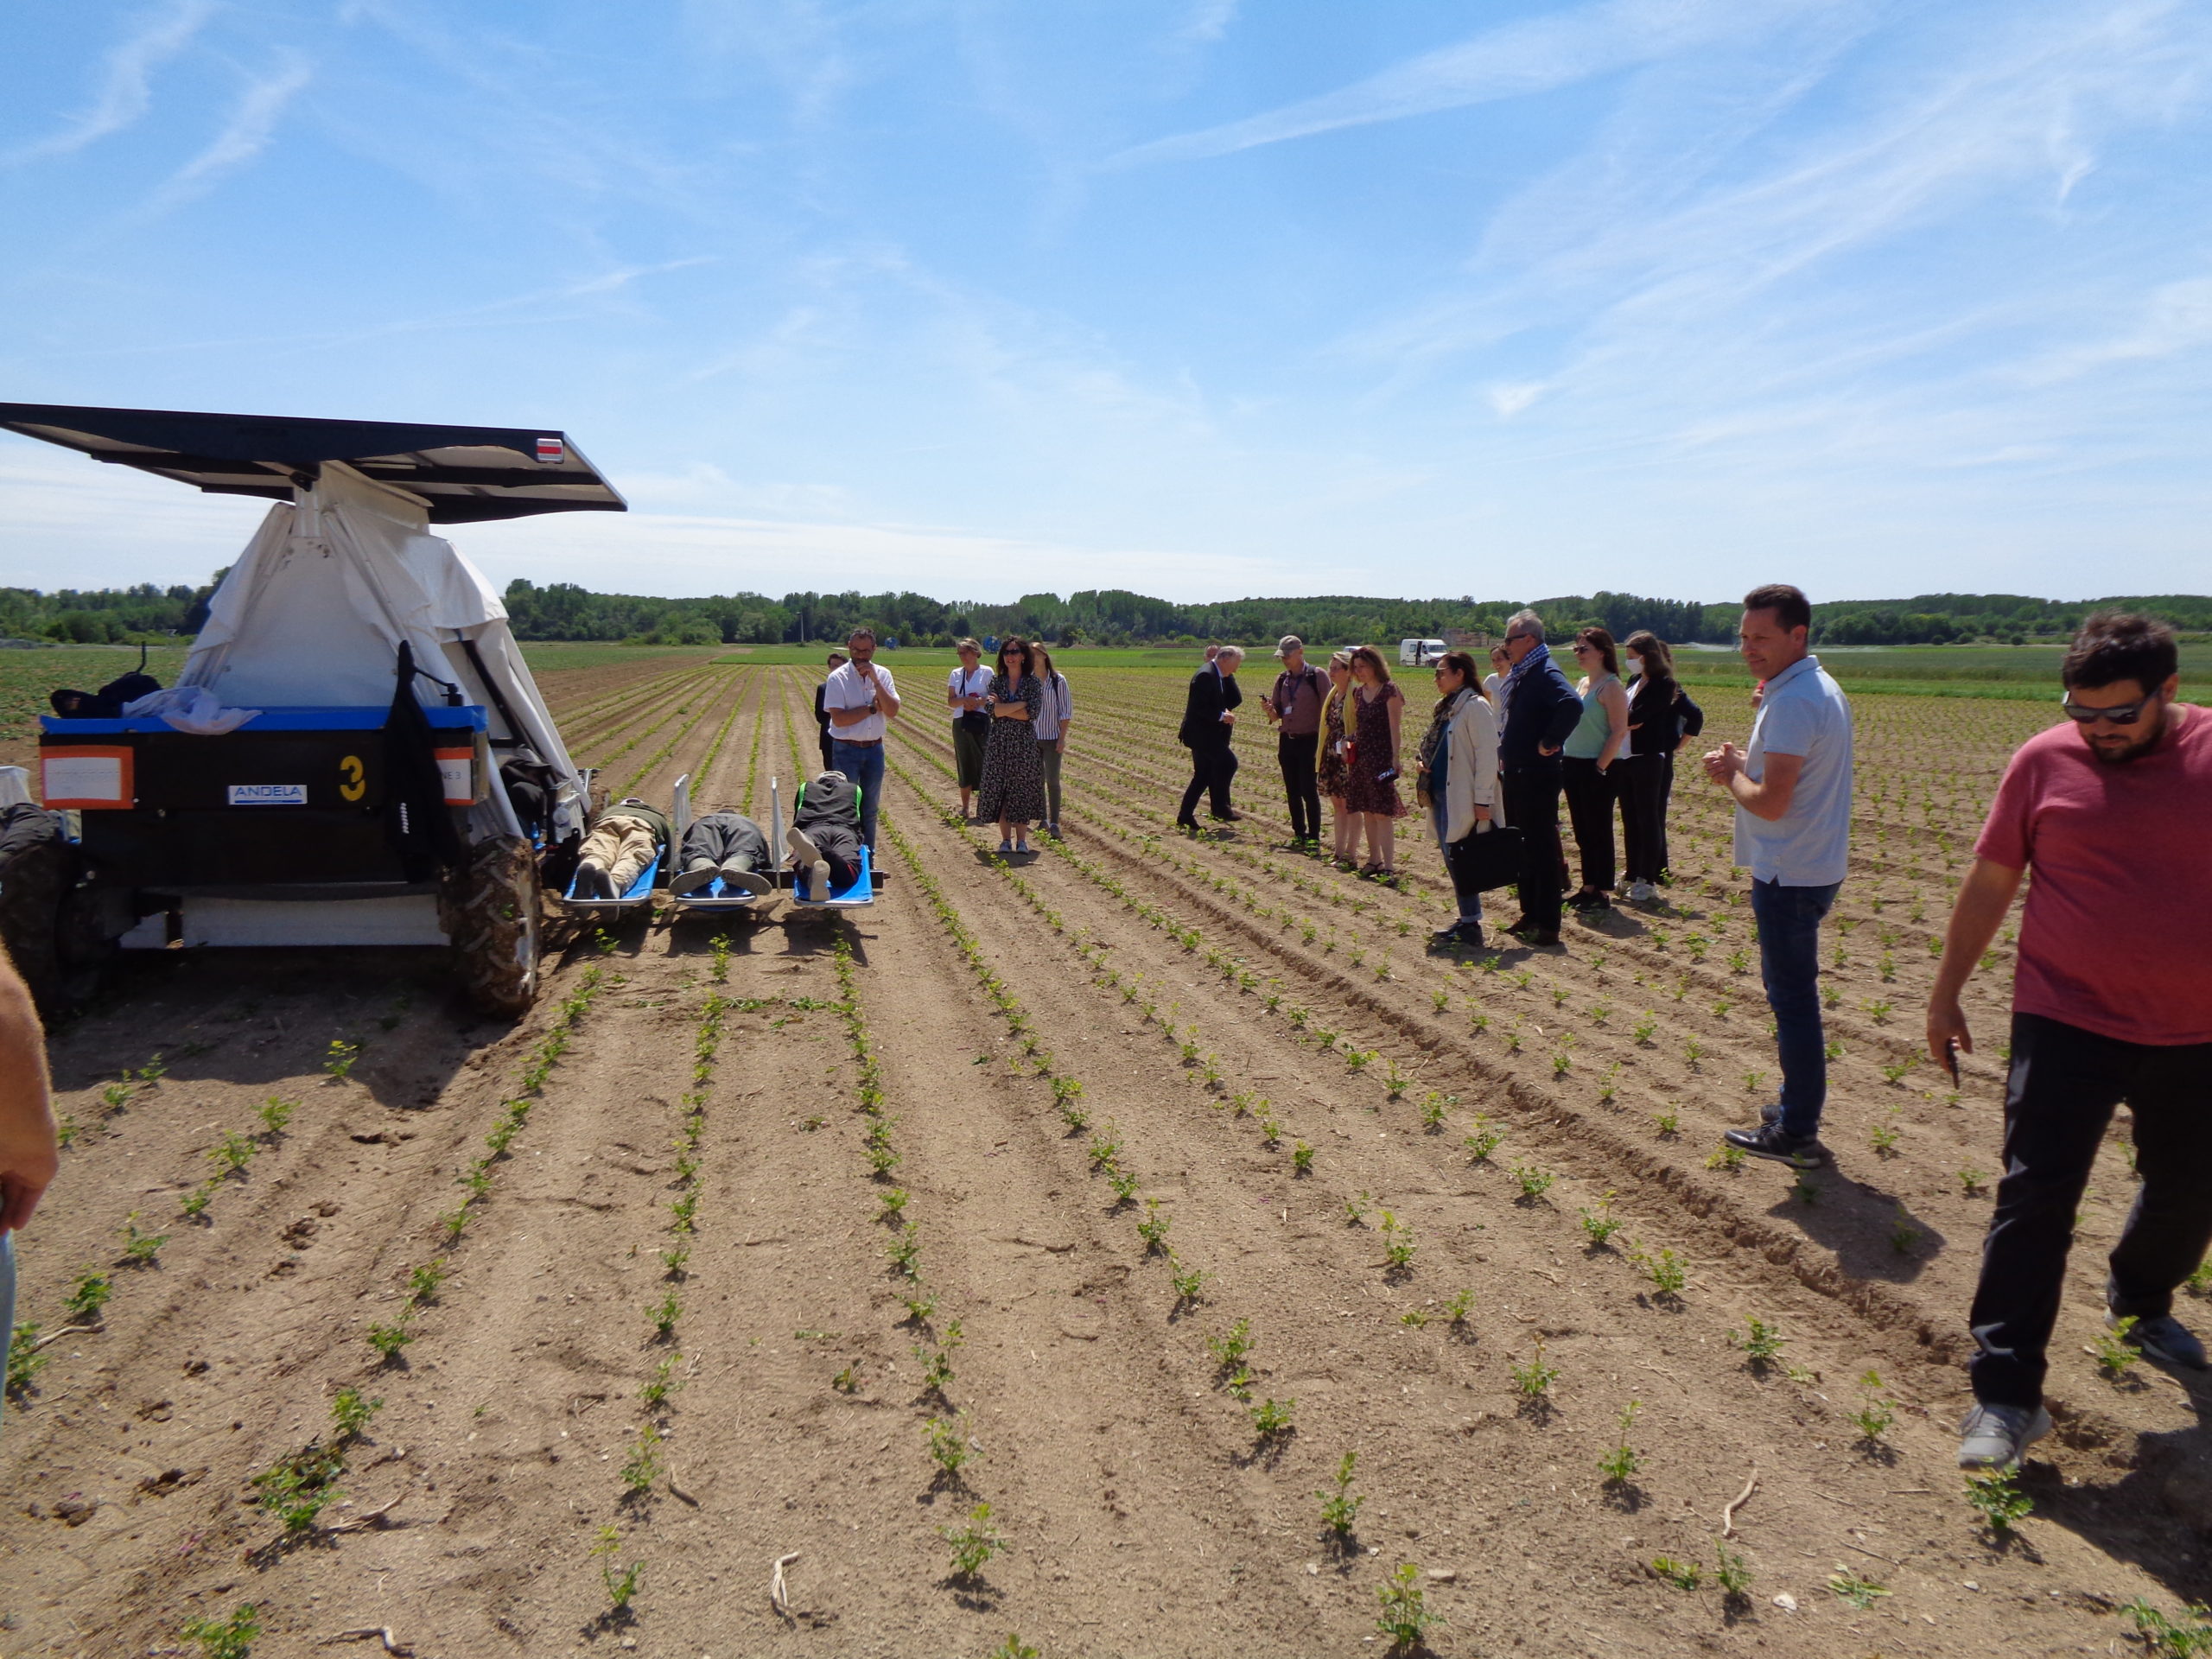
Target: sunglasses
[2126, 713]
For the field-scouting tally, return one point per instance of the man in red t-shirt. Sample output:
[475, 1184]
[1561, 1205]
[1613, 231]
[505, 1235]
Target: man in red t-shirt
[2112, 1002]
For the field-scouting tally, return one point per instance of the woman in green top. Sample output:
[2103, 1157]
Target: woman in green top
[1592, 748]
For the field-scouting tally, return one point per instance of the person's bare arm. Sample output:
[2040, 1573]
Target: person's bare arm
[851, 716]
[1984, 897]
[28, 1155]
[885, 696]
[1769, 797]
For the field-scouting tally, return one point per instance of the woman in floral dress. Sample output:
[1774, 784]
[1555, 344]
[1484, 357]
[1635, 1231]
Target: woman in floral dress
[1014, 778]
[1371, 791]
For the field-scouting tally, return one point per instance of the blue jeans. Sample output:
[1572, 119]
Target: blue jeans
[863, 764]
[1789, 963]
[1470, 904]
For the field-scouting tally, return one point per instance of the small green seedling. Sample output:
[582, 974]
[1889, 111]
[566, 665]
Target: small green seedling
[1301, 1159]
[656, 1388]
[1998, 1499]
[339, 1059]
[88, 1295]
[1229, 1348]
[25, 1359]
[2115, 1355]
[1534, 1182]
[950, 1444]
[275, 1112]
[1619, 1466]
[664, 1314]
[1536, 1378]
[224, 1638]
[140, 1248]
[1683, 1575]
[350, 1412]
[1733, 1577]
[1405, 1618]
[389, 1339]
[1761, 1344]
[1876, 1411]
[1484, 1140]
[1154, 1227]
[1189, 1282]
[231, 1154]
[1460, 1306]
[1599, 1225]
[2166, 1638]
[622, 1584]
[643, 1467]
[973, 1542]
[1397, 1243]
[1852, 1590]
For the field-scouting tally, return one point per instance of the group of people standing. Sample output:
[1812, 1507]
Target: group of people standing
[1010, 731]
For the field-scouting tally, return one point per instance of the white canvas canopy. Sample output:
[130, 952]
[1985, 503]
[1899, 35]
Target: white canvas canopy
[314, 614]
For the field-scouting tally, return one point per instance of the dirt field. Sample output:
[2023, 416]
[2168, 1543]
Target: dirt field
[802, 1241]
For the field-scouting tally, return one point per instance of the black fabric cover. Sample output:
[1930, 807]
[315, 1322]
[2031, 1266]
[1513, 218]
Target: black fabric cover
[416, 817]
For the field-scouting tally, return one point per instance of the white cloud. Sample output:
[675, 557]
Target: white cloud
[1513, 60]
[126, 91]
[252, 125]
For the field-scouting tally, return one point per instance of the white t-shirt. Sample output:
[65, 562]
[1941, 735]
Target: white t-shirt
[846, 690]
[1802, 712]
[968, 683]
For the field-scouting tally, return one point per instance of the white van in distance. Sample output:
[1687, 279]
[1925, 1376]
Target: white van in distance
[1412, 653]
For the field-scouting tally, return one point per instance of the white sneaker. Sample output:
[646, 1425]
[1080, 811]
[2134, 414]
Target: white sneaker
[818, 881]
[1640, 893]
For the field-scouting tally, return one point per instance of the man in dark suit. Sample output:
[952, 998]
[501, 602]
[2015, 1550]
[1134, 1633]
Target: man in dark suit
[1539, 710]
[1209, 720]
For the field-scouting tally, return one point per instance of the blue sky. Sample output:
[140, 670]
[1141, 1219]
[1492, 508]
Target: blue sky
[1201, 297]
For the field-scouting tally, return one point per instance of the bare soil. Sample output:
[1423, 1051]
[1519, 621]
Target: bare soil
[1222, 1004]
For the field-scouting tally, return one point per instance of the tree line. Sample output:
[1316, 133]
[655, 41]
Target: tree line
[564, 610]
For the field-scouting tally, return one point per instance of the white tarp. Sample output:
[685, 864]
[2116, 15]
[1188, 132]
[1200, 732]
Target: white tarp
[315, 609]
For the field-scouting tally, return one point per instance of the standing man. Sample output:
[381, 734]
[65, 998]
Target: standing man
[822, 714]
[861, 700]
[1208, 721]
[1293, 707]
[1539, 708]
[2112, 1002]
[28, 1154]
[1792, 786]
[965, 688]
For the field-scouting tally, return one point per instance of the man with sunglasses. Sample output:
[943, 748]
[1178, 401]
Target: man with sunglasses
[2112, 1002]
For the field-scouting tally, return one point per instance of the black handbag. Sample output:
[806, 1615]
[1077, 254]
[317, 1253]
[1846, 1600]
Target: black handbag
[1485, 859]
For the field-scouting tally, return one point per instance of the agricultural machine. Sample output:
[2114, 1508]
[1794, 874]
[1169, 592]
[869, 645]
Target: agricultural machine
[354, 753]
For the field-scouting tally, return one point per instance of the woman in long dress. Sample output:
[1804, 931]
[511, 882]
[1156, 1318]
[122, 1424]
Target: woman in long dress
[1377, 710]
[1330, 778]
[1014, 778]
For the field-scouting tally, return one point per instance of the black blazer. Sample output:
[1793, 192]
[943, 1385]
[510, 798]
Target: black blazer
[1212, 694]
[1542, 709]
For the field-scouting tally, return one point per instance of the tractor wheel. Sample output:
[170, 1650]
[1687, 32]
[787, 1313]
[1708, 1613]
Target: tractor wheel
[38, 869]
[492, 916]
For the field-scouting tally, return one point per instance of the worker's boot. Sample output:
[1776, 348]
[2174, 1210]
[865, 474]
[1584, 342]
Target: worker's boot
[592, 883]
[698, 875]
[740, 873]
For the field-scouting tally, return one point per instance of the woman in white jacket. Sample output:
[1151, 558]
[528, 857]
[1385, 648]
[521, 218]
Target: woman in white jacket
[1459, 778]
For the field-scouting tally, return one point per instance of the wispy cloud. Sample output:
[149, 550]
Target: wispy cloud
[126, 82]
[252, 123]
[1511, 62]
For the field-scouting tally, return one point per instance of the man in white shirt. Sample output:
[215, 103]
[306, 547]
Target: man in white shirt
[965, 688]
[1792, 786]
[861, 700]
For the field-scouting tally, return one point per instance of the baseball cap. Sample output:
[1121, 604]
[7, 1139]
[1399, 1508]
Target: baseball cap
[1287, 644]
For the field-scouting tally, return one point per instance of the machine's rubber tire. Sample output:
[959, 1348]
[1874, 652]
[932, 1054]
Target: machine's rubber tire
[492, 915]
[38, 869]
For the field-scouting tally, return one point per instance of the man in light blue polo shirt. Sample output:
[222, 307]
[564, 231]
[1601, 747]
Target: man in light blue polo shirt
[1792, 784]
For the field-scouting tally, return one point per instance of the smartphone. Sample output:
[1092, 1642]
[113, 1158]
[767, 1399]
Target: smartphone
[1951, 1059]
[1388, 777]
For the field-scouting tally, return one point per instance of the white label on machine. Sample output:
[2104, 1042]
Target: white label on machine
[269, 794]
[84, 778]
[457, 769]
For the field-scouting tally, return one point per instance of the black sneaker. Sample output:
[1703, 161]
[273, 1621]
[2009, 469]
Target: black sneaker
[1231, 816]
[1536, 938]
[1462, 936]
[2160, 1337]
[1773, 1140]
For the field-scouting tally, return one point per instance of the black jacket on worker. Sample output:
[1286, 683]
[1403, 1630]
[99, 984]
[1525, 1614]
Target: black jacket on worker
[1206, 735]
[1212, 694]
[830, 815]
[1540, 709]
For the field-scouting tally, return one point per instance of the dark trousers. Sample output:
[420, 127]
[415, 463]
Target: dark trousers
[826, 740]
[725, 840]
[1532, 807]
[1213, 765]
[1642, 784]
[1301, 782]
[1789, 964]
[2060, 1095]
[1590, 795]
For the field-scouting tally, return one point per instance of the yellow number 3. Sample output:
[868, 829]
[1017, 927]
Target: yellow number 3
[355, 774]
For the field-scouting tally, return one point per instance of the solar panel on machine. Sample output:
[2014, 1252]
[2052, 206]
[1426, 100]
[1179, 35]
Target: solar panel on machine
[463, 474]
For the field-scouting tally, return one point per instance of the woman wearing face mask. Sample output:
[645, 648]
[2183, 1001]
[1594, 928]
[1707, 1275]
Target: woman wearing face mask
[1458, 782]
